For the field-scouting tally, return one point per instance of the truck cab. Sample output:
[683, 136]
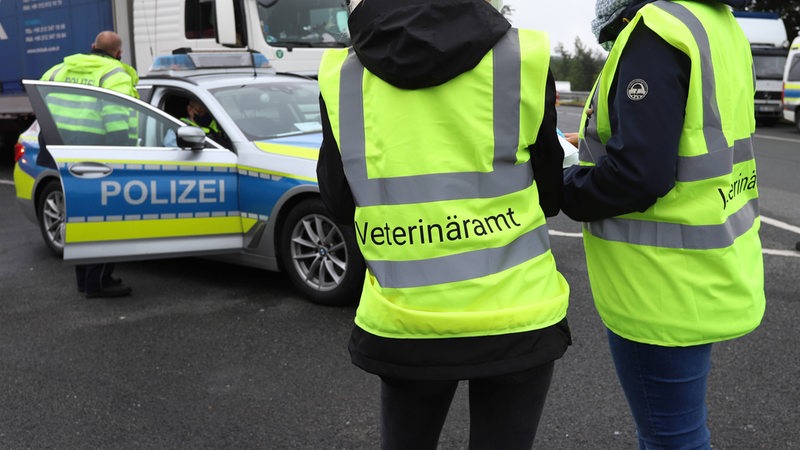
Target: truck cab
[292, 34]
[770, 46]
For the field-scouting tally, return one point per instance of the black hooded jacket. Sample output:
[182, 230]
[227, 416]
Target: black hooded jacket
[415, 44]
[643, 149]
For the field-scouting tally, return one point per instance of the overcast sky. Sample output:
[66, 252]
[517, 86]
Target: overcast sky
[562, 19]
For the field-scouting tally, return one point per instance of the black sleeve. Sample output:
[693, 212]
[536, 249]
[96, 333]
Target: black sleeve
[547, 156]
[333, 186]
[642, 152]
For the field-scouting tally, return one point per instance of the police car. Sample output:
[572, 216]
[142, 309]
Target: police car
[248, 195]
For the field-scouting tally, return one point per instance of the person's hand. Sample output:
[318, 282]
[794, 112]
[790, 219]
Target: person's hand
[572, 138]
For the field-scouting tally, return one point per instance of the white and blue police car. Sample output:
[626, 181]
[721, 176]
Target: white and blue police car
[246, 194]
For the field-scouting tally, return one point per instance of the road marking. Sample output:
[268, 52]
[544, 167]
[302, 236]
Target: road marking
[563, 233]
[781, 225]
[776, 138]
[8, 182]
[792, 253]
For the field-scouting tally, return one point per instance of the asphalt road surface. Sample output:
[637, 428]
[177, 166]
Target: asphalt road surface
[207, 355]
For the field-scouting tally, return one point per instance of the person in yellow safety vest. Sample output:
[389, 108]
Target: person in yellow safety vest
[81, 120]
[440, 154]
[106, 124]
[668, 192]
[198, 116]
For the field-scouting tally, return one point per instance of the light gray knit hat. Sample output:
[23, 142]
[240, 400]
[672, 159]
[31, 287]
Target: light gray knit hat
[606, 12]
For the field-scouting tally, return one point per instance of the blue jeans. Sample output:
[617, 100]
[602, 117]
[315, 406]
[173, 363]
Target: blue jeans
[666, 391]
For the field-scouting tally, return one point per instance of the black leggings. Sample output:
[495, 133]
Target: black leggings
[504, 411]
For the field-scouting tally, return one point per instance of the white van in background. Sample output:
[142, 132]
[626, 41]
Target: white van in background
[770, 45]
[791, 85]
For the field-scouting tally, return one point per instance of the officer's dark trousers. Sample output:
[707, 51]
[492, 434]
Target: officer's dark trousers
[504, 411]
[93, 277]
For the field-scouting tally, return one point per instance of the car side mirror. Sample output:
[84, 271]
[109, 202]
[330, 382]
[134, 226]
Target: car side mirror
[191, 138]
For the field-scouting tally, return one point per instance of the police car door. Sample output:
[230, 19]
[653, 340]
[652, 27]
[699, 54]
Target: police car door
[128, 194]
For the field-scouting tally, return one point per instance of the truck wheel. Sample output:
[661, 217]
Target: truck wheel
[321, 258]
[51, 212]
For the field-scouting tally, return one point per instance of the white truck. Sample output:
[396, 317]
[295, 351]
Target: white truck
[770, 46]
[36, 34]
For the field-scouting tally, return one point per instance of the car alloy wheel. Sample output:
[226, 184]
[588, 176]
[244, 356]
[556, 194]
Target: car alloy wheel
[52, 214]
[321, 259]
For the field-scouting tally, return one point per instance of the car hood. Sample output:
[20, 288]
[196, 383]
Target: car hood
[306, 140]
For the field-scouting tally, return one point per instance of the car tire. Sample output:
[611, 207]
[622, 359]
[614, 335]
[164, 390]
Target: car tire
[51, 212]
[320, 257]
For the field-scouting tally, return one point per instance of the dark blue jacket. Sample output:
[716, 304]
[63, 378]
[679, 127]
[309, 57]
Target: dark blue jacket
[642, 152]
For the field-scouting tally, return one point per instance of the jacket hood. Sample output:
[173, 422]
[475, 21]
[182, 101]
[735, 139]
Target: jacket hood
[414, 44]
[95, 61]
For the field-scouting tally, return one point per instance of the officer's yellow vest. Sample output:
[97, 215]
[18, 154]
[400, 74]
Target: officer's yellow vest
[84, 114]
[689, 269]
[447, 212]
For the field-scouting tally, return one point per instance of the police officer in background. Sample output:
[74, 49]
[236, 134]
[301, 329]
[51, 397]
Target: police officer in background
[667, 188]
[90, 122]
[440, 146]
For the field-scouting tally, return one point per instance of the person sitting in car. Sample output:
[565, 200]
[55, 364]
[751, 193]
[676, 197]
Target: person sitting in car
[198, 116]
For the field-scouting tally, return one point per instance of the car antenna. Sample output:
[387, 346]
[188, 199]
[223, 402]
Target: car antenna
[253, 60]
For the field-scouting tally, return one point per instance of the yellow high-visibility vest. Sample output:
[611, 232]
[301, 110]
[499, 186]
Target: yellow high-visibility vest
[689, 269]
[447, 211]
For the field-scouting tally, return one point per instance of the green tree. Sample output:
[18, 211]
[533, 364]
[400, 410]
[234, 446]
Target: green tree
[580, 68]
[788, 9]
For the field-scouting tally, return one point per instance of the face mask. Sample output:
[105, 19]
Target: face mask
[203, 120]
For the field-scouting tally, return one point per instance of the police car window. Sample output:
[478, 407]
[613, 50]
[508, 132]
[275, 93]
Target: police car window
[268, 110]
[94, 118]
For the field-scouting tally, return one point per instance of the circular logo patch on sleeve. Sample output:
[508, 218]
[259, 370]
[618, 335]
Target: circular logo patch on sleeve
[637, 89]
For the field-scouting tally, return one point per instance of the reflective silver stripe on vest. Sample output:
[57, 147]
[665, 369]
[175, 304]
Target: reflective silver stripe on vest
[111, 73]
[674, 235]
[443, 186]
[55, 72]
[463, 266]
[716, 164]
[58, 100]
[85, 123]
[720, 157]
[452, 186]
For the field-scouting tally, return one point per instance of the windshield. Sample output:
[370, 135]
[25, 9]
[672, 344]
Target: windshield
[304, 23]
[264, 111]
[769, 67]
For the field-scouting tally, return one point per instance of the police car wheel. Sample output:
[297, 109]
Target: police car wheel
[51, 213]
[321, 259]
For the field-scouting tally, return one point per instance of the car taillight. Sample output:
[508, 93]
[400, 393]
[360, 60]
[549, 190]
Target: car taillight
[19, 150]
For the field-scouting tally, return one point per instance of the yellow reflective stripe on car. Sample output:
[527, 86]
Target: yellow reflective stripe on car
[23, 183]
[289, 150]
[244, 169]
[146, 229]
[248, 223]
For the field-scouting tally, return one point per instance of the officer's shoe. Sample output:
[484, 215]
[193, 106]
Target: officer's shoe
[110, 281]
[118, 290]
